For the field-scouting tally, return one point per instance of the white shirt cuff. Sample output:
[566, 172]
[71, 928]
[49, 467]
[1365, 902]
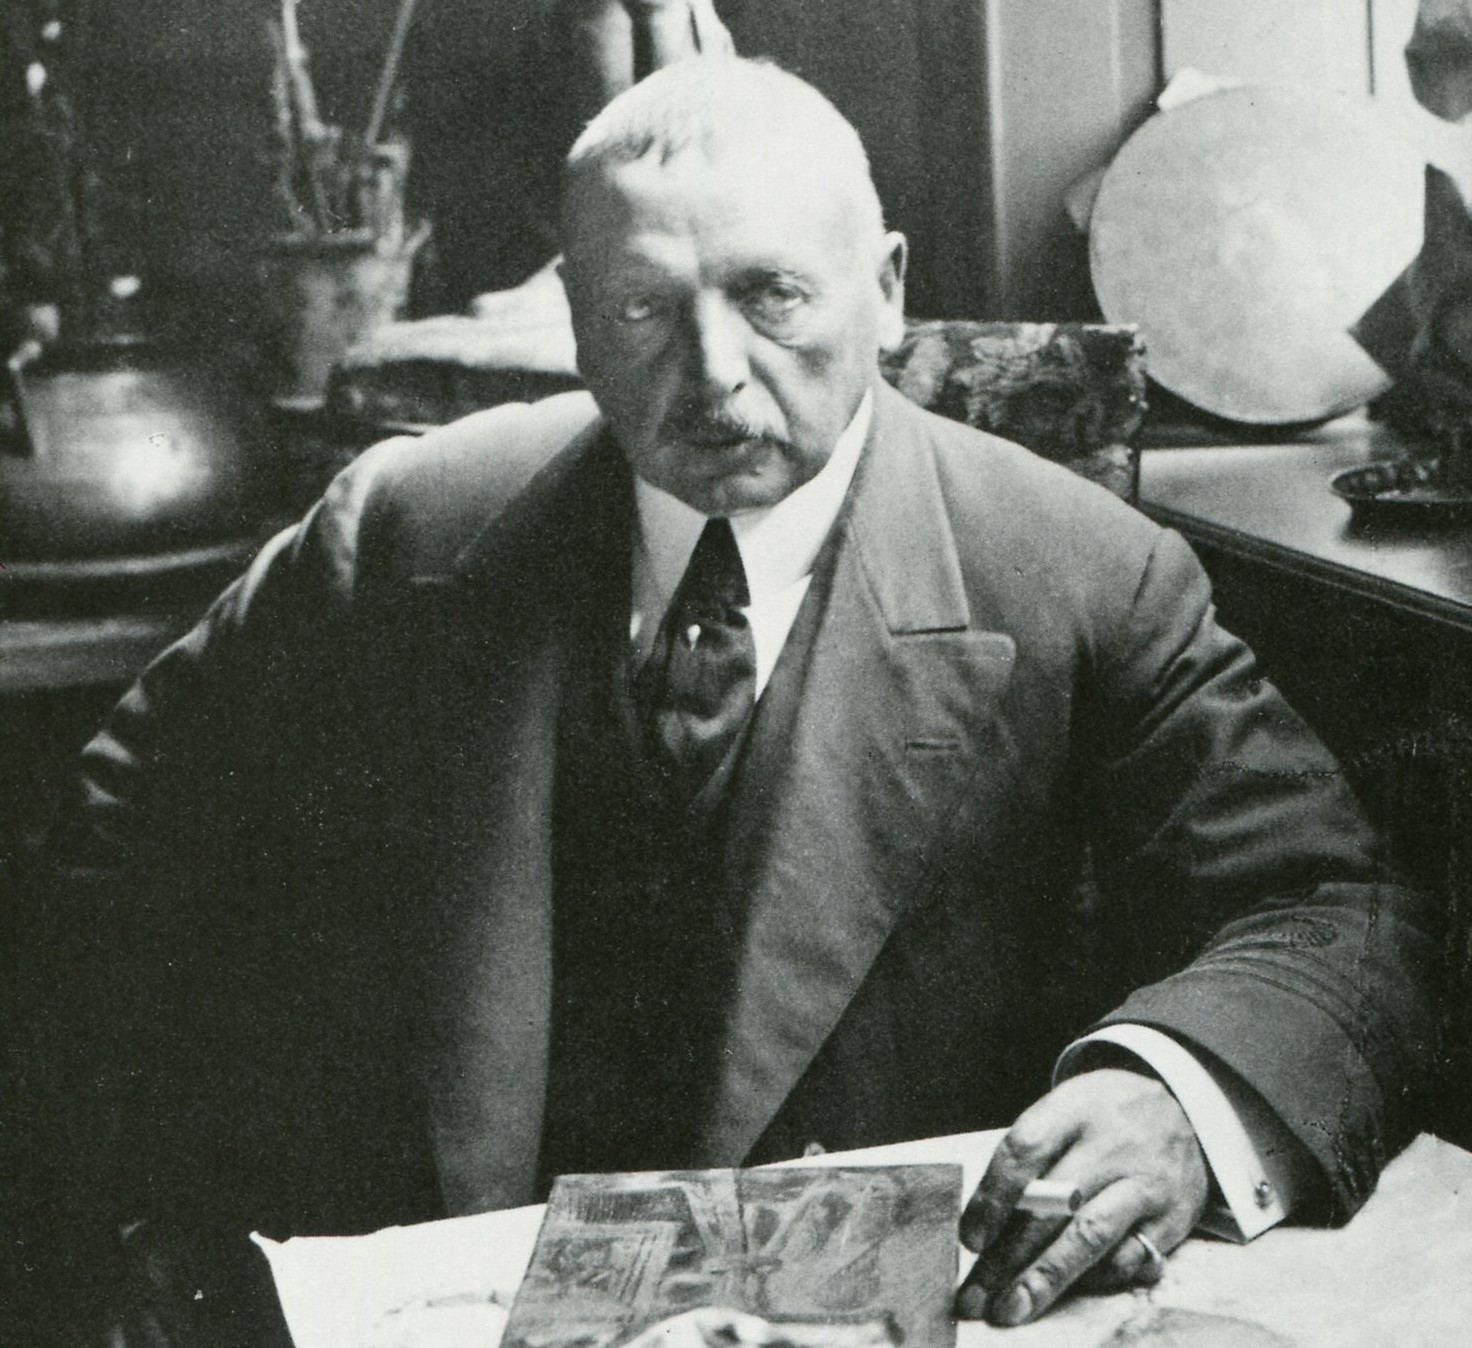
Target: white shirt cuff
[1248, 1148]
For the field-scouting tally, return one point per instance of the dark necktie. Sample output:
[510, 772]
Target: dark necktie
[698, 687]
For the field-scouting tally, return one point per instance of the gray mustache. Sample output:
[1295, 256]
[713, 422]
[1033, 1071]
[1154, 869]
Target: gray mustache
[701, 428]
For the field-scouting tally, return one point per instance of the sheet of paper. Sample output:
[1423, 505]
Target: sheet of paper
[450, 1283]
[1396, 1274]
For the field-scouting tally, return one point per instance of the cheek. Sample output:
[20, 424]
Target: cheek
[816, 381]
[599, 348]
[636, 395]
[797, 366]
[616, 369]
[842, 345]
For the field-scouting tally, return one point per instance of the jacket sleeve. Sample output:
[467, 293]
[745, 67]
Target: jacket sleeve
[1233, 846]
[210, 884]
[162, 820]
[175, 763]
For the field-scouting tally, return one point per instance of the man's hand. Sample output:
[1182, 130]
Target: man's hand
[1124, 1142]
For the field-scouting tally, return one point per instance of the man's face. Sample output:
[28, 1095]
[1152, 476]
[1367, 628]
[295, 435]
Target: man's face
[729, 317]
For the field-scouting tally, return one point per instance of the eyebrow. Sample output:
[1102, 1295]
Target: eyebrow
[761, 273]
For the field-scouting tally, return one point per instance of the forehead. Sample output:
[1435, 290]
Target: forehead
[740, 208]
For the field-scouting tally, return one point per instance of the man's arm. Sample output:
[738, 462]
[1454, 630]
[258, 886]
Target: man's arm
[145, 870]
[214, 804]
[1228, 839]
[1231, 838]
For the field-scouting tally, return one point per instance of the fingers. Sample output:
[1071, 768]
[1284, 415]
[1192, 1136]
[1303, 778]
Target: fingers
[1098, 1247]
[1122, 1140]
[1050, 1257]
[1137, 1261]
[1040, 1136]
[1021, 1241]
[1098, 1239]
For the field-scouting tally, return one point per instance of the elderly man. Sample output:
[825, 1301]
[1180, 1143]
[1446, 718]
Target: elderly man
[707, 769]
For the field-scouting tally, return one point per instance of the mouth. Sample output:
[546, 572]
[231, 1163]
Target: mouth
[721, 437]
[722, 442]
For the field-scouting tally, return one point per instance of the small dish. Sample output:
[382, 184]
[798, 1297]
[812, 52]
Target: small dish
[1403, 491]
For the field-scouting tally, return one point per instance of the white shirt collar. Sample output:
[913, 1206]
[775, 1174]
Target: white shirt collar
[778, 544]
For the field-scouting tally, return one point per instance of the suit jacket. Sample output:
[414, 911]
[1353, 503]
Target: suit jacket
[1020, 782]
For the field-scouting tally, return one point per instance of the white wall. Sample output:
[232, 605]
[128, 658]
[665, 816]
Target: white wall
[1068, 80]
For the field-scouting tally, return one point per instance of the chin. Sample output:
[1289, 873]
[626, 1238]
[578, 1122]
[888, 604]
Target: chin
[730, 496]
[760, 481]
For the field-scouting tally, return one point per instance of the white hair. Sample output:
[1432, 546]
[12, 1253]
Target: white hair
[716, 104]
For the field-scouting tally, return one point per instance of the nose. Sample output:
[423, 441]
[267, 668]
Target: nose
[718, 336]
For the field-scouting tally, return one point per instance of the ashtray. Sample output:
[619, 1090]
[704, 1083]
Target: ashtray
[1403, 491]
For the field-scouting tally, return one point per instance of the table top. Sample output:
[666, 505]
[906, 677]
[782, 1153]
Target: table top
[1271, 502]
[54, 653]
[94, 622]
[1398, 1273]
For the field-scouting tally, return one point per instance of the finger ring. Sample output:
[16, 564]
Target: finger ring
[1154, 1260]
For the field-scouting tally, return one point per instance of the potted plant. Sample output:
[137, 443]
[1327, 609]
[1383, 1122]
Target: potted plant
[341, 260]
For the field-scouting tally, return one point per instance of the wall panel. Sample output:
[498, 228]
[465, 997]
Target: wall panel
[1391, 22]
[1325, 43]
[1443, 143]
[1066, 80]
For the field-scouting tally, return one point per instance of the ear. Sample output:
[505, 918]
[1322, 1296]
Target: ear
[896, 253]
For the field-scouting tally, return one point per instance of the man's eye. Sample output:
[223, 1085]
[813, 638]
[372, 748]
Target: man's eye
[775, 301]
[637, 310]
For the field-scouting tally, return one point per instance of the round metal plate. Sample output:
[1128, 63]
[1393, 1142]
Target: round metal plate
[1245, 232]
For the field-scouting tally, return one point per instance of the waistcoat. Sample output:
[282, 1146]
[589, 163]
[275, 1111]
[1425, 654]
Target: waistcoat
[647, 924]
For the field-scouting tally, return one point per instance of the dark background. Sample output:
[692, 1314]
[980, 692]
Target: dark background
[175, 96]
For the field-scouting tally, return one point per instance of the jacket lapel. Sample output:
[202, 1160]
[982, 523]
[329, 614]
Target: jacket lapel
[482, 725]
[865, 744]
[859, 758]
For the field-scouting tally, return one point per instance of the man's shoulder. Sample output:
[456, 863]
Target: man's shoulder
[1003, 498]
[420, 502]
[1066, 568]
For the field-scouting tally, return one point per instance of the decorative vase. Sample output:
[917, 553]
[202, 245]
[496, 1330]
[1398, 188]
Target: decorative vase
[121, 447]
[323, 292]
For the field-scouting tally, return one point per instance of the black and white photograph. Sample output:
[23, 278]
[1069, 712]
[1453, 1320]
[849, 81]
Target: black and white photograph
[735, 673]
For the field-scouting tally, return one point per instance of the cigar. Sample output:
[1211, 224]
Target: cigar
[1050, 1198]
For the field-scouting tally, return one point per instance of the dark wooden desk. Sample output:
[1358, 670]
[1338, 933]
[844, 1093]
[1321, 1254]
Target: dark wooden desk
[1366, 626]
[1367, 629]
[67, 651]
[1271, 504]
